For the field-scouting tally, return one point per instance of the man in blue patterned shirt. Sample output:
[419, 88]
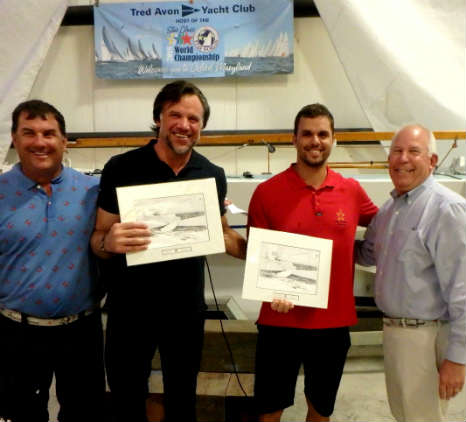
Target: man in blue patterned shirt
[418, 242]
[50, 322]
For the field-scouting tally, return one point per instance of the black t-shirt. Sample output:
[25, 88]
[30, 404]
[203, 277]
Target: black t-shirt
[162, 284]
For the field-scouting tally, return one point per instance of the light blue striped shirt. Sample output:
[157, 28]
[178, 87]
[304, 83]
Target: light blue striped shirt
[418, 242]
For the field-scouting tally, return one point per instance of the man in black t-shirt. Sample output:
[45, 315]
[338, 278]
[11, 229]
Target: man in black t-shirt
[157, 305]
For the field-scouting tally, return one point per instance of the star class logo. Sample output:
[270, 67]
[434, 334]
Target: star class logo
[180, 40]
[340, 217]
[206, 39]
[183, 39]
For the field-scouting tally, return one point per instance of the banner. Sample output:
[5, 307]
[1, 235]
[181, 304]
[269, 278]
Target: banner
[207, 38]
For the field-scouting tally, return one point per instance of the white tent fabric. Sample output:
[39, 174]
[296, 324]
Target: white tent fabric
[28, 28]
[405, 59]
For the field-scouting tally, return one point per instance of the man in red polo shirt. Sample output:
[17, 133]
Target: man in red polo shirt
[309, 198]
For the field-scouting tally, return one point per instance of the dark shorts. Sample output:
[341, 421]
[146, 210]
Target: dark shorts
[279, 355]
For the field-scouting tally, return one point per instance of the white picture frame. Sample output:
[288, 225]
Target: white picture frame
[281, 265]
[183, 216]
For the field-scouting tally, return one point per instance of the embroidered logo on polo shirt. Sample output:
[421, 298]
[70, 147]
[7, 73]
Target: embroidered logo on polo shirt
[341, 217]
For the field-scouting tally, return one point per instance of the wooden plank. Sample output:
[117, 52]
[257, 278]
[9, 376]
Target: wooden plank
[387, 136]
[359, 165]
[251, 139]
[363, 136]
[108, 142]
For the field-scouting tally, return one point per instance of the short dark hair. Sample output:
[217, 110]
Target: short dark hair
[37, 108]
[311, 111]
[172, 93]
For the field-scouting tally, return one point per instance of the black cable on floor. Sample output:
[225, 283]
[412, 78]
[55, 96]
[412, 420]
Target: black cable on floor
[233, 363]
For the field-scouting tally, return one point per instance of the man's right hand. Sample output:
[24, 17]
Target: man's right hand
[127, 237]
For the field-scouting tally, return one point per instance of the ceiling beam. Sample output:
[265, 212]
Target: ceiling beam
[305, 9]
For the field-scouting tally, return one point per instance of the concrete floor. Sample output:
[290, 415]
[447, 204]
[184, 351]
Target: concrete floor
[361, 397]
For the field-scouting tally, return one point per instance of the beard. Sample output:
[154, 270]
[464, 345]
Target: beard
[315, 164]
[180, 149]
[319, 162]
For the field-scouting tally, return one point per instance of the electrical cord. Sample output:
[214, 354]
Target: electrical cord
[233, 363]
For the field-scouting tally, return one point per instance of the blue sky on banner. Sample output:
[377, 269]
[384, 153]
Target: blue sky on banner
[203, 39]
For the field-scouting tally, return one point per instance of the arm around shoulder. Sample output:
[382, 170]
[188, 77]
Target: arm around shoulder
[235, 244]
[364, 250]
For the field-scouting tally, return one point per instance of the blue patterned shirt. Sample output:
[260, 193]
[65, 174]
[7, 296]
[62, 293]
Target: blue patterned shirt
[418, 242]
[46, 269]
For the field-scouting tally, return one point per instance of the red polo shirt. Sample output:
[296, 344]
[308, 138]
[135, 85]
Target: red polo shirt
[333, 211]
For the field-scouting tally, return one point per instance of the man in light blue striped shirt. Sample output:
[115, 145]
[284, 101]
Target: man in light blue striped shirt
[418, 242]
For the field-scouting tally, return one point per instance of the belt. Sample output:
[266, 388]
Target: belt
[411, 322]
[45, 322]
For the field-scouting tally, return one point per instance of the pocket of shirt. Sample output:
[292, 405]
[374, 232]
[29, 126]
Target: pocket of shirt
[410, 245]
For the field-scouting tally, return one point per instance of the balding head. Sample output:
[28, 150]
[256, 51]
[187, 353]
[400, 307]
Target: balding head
[418, 129]
[412, 157]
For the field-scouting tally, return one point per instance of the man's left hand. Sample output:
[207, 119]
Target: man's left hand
[281, 305]
[451, 379]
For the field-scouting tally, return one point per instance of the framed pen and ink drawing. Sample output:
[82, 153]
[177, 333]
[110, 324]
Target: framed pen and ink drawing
[287, 266]
[183, 217]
